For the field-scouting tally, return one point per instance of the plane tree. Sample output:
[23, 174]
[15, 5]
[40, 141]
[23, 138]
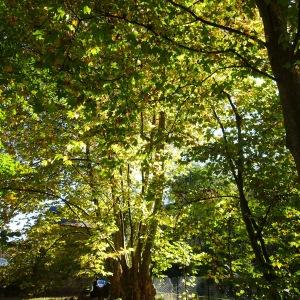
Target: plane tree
[98, 141]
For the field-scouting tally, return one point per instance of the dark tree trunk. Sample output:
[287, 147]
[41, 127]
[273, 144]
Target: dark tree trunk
[116, 280]
[131, 284]
[284, 58]
[289, 90]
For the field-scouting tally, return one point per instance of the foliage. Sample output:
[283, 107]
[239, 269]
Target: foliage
[215, 191]
[103, 107]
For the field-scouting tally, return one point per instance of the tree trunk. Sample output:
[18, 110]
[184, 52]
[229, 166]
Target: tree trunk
[131, 279]
[284, 59]
[289, 91]
[130, 284]
[258, 246]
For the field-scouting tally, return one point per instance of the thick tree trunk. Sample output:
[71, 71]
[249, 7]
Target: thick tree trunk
[131, 284]
[284, 58]
[142, 288]
[131, 278]
[116, 280]
[289, 91]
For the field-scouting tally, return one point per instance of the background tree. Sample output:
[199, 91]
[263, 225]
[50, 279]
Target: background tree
[239, 148]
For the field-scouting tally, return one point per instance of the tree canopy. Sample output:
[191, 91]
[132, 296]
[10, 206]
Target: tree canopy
[143, 134]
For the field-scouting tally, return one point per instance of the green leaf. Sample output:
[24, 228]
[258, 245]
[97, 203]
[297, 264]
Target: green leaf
[39, 34]
[87, 10]
[60, 13]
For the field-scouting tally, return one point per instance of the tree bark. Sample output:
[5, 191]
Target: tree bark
[284, 59]
[132, 284]
[289, 90]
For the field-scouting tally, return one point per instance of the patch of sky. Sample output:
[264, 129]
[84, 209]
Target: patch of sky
[20, 223]
[258, 81]
[3, 262]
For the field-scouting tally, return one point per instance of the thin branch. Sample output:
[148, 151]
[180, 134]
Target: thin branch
[80, 174]
[129, 207]
[170, 130]
[150, 28]
[238, 122]
[209, 198]
[250, 66]
[230, 159]
[62, 236]
[195, 3]
[50, 194]
[264, 222]
[216, 25]
[86, 180]
[275, 201]
[200, 50]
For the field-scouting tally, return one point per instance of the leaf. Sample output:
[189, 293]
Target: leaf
[94, 50]
[44, 163]
[87, 10]
[75, 22]
[39, 34]
[71, 27]
[61, 12]
[277, 264]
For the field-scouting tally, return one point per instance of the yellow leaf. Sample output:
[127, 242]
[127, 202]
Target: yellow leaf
[75, 22]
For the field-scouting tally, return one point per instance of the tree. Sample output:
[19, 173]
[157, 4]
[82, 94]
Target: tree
[242, 42]
[47, 259]
[104, 161]
[281, 27]
[208, 218]
[244, 137]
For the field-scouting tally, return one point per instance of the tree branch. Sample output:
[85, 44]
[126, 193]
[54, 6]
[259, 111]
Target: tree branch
[151, 29]
[50, 194]
[248, 65]
[238, 122]
[216, 25]
[209, 198]
[229, 157]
